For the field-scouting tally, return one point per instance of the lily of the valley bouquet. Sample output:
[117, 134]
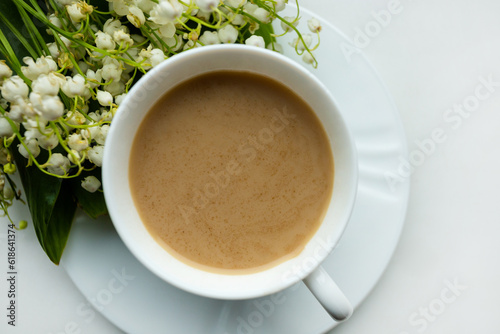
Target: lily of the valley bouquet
[66, 65]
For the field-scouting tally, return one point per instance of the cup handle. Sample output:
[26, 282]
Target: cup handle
[328, 294]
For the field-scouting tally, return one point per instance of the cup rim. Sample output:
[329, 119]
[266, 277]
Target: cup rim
[231, 286]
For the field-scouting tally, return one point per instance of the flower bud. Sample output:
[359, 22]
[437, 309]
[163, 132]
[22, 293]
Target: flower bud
[280, 5]
[111, 69]
[262, 15]
[91, 184]
[228, 34]
[47, 142]
[166, 11]
[301, 45]
[49, 107]
[32, 146]
[111, 25]
[8, 193]
[156, 57]
[119, 7]
[76, 142]
[210, 38]
[255, 40]
[5, 71]
[104, 41]
[46, 84]
[115, 88]
[5, 128]
[104, 98]
[54, 50]
[58, 164]
[94, 78]
[74, 157]
[308, 58]
[100, 136]
[123, 38]
[95, 155]
[74, 86]
[136, 16]
[238, 20]
[43, 65]
[314, 25]
[19, 108]
[167, 30]
[289, 19]
[75, 13]
[119, 98]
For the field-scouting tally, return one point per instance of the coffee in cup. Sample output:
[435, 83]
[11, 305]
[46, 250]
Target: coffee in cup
[231, 172]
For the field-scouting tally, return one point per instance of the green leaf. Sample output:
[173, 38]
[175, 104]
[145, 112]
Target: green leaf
[266, 31]
[92, 203]
[51, 205]
[9, 10]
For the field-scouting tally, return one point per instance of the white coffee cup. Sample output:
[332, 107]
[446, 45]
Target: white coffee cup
[305, 266]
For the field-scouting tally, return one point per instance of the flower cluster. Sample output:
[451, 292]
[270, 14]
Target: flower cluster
[58, 103]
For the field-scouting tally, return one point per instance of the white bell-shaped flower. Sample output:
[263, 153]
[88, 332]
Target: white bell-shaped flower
[77, 143]
[58, 164]
[210, 38]
[166, 11]
[46, 84]
[156, 57]
[262, 15]
[14, 88]
[115, 88]
[228, 34]
[280, 5]
[48, 106]
[123, 38]
[47, 142]
[314, 25]
[95, 155]
[255, 40]
[91, 184]
[104, 98]
[32, 146]
[136, 16]
[290, 19]
[111, 70]
[101, 135]
[76, 13]
[43, 65]
[111, 25]
[301, 44]
[75, 86]
[104, 41]
[5, 128]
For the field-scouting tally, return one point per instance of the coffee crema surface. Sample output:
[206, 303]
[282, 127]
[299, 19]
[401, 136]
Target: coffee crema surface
[231, 172]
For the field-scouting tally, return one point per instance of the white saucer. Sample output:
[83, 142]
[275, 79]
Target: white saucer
[139, 302]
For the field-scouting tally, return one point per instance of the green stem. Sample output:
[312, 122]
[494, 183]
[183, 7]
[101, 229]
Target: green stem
[12, 58]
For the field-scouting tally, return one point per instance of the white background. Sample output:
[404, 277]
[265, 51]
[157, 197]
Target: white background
[431, 55]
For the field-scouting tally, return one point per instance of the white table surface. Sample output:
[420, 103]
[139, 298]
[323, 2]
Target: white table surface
[432, 55]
